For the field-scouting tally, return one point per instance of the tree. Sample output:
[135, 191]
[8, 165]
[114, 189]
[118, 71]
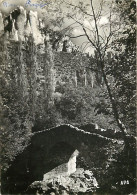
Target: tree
[125, 59]
[118, 67]
[98, 39]
[100, 29]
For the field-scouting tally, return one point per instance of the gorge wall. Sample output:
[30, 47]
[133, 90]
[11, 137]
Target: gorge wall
[43, 81]
[42, 75]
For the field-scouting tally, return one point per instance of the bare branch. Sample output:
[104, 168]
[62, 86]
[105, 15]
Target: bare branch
[76, 36]
[86, 47]
[100, 11]
[90, 30]
[85, 42]
[84, 29]
[78, 8]
[89, 38]
[94, 16]
[69, 26]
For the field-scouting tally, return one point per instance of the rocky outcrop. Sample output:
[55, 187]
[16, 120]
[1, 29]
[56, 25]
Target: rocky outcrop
[26, 23]
[23, 24]
[1, 25]
[82, 181]
[66, 177]
[25, 43]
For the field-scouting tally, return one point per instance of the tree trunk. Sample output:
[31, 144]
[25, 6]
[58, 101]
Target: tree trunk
[114, 107]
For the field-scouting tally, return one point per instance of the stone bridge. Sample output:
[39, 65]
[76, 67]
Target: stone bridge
[52, 147]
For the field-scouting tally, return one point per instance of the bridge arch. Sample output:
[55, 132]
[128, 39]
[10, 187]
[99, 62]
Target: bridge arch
[90, 145]
[30, 165]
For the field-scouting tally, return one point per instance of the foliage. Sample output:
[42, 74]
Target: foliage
[81, 105]
[15, 124]
[104, 32]
[120, 170]
[122, 67]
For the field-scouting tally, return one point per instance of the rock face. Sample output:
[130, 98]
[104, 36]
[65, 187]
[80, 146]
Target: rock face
[24, 24]
[2, 25]
[66, 177]
[81, 181]
[46, 70]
